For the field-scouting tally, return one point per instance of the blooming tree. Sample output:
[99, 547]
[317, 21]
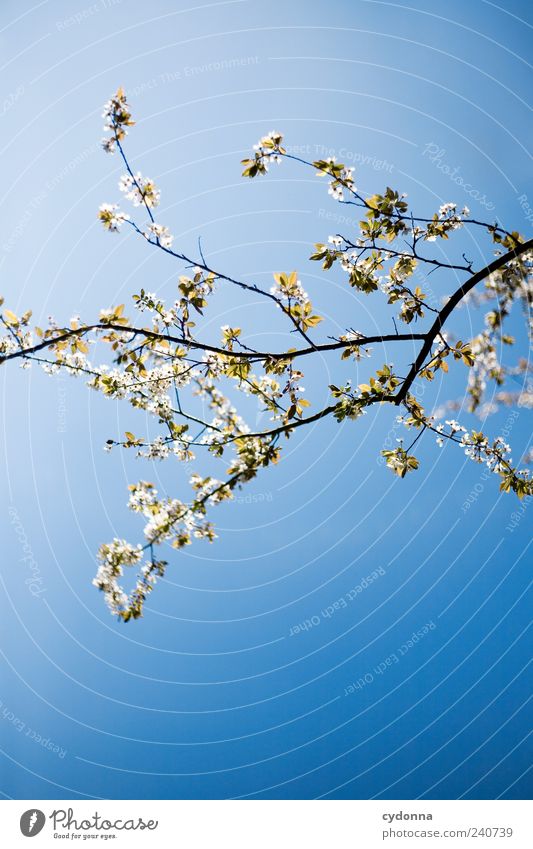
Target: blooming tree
[158, 367]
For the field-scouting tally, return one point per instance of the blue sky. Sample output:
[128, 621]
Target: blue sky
[216, 693]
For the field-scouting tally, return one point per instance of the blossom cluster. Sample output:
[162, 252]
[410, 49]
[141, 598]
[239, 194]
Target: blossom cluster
[289, 287]
[341, 177]
[161, 233]
[400, 461]
[268, 149]
[496, 455]
[112, 557]
[446, 220]
[139, 189]
[167, 519]
[226, 421]
[111, 217]
[117, 116]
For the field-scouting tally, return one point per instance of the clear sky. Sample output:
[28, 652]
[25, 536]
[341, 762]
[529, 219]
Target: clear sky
[214, 693]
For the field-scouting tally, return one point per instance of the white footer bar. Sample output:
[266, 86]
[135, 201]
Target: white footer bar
[268, 824]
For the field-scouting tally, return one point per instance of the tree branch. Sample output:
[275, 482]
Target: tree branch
[190, 343]
[449, 307]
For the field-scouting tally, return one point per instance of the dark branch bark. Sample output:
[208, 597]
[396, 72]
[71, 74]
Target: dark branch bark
[201, 346]
[449, 308]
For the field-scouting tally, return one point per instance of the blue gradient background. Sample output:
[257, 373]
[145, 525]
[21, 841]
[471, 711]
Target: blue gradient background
[209, 696]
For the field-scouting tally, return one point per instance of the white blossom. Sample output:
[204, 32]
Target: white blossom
[139, 189]
[111, 217]
[162, 234]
